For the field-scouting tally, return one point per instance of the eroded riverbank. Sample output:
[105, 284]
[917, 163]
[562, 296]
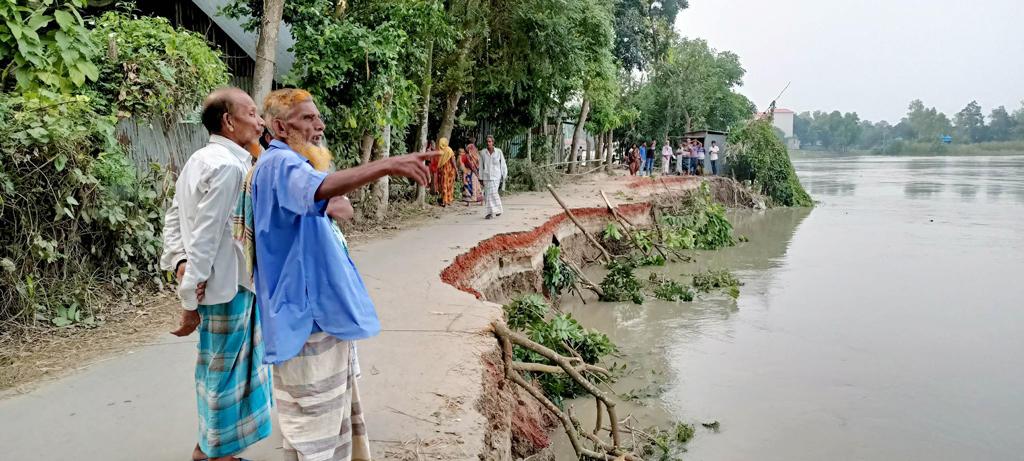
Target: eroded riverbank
[881, 325]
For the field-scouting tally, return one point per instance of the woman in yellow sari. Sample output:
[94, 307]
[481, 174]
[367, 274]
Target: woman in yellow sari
[446, 171]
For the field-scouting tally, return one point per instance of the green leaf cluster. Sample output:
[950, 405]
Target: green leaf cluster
[670, 290]
[557, 275]
[666, 444]
[712, 279]
[757, 155]
[699, 223]
[620, 284]
[559, 332]
[45, 45]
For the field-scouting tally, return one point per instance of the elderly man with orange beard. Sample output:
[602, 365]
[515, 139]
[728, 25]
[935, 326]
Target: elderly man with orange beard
[312, 300]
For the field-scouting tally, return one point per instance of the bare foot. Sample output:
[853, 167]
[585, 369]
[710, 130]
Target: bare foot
[198, 455]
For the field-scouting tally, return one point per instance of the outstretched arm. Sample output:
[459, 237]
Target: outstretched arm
[345, 181]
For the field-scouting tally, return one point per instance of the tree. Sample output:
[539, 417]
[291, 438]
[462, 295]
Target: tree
[694, 87]
[1018, 122]
[970, 123]
[1000, 125]
[266, 49]
[927, 124]
[644, 31]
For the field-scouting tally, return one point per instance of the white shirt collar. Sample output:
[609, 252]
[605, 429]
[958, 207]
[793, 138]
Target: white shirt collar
[243, 155]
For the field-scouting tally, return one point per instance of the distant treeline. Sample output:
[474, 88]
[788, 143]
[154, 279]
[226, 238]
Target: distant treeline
[841, 132]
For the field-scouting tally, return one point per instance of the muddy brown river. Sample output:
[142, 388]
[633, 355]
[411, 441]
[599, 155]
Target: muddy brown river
[886, 323]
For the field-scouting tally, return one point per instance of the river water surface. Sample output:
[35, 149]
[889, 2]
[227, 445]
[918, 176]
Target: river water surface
[885, 324]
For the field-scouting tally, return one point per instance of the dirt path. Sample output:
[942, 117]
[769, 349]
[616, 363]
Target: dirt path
[421, 377]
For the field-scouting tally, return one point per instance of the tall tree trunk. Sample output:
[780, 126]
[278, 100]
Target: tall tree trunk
[577, 136]
[448, 120]
[380, 190]
[529, 145]
[610, 153]
[589, 154]
[558, 140]
[421, 139]
[266, 50]
[599, 151]
[365, 151]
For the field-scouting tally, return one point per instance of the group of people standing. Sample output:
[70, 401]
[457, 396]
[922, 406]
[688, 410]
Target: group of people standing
[689, 157]
[265, 276]
[481, 174]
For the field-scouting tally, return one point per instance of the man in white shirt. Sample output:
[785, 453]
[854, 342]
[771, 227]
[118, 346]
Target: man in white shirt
[493, 173]
[666, 157]
[681, 157]
[232, 384]
[714, 158]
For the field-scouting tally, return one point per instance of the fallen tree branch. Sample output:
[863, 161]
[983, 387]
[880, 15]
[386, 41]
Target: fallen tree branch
[604, 252]
[501, 330]
[586, 281]
[541, 368]
[611, 451]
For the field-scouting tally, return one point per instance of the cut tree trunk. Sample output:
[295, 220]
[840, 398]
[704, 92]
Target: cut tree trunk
[578, 134]
[266, 50]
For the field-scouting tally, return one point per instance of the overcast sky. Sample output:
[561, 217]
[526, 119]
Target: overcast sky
[869, 56]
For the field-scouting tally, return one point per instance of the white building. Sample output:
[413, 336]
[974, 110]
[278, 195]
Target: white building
[783, 120]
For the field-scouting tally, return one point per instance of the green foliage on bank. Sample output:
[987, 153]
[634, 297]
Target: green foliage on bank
[557, 275]
[559, 332]
[698, 223]
[620, 284]
[757, 155]
[671, 290]
[80, 223]
[722, 279]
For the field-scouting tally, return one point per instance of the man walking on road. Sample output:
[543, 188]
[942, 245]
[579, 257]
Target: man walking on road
[232, 384]
[312, 299]
[493, 173]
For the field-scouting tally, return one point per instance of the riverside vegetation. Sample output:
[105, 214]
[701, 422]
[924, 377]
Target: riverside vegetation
[694, 222]
[82, 225]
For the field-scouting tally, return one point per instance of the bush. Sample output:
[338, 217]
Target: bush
[153, 69]
[80, 222]
[757, 155]
[68, 191]
[670, 290]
